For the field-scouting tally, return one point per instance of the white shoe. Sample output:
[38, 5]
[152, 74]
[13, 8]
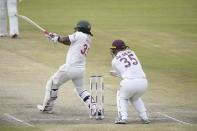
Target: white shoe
[42, 109]
[98, 114]
[121, 121]
[1, 35]
[147, 121]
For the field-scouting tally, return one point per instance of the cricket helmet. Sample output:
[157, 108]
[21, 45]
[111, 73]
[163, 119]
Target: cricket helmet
[84, 26]
[118, 45]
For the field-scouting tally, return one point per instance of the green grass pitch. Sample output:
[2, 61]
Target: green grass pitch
[163, 33]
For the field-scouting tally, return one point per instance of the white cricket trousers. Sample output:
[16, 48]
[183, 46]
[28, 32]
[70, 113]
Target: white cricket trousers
[66, 73]
[131, 90]
[8, 7]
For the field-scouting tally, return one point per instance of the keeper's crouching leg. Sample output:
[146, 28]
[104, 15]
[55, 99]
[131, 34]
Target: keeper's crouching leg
[122, 106]
[50, 96]
[139, 106]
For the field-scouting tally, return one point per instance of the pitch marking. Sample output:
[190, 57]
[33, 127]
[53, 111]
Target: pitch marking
[181, 112]
[165, 115]
[21, 121]
[71, 119]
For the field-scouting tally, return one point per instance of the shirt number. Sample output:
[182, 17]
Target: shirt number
[129, 60]
[85, 49]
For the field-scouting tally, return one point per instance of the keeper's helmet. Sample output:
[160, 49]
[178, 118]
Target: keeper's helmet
[84, 26]
[118, 45]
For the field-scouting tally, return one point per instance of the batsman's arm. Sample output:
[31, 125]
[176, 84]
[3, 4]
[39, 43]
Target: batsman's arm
[64, 40]
[54, 38]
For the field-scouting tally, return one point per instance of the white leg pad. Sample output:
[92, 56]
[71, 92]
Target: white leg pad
[50, 95]
[85, 96]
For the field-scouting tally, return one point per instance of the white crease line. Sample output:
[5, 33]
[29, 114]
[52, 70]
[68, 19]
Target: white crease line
[77, 119]
[159, 118]
[14, 118]
[71, 119]
[174, 118]
[181, 112]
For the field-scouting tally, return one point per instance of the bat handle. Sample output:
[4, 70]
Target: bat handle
[46, 32]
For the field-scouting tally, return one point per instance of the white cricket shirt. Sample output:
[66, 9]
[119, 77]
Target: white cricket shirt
[80, 44]
[127, 65]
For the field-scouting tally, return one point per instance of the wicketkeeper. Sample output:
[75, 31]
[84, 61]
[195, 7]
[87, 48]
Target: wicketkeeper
[127, 66]
[74, 68]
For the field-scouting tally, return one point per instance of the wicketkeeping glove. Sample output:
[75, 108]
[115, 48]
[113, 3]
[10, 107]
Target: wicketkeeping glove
[114, 73]
[52, 37]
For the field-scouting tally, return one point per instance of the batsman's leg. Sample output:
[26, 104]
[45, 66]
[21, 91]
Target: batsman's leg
[52, 86]
[13, 19]
[85, 95]
[89, 101]
[50, 97]
[3, 18]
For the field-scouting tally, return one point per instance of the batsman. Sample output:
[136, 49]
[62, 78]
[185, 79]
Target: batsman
[79, 43]
[133, 85]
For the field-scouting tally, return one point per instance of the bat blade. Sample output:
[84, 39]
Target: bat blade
[32, 23]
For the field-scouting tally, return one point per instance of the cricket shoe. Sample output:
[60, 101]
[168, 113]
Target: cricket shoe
[14, 36]
[45, 110]
[2, 35]
[98, 114]
[121, 121]
[147, 121]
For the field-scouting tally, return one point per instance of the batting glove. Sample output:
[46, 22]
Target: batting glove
[52, 37]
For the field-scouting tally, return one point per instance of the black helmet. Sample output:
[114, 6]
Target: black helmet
[84, 26]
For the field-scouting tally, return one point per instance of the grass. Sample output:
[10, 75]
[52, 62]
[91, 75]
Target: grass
[8, 127]
[162, 33]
